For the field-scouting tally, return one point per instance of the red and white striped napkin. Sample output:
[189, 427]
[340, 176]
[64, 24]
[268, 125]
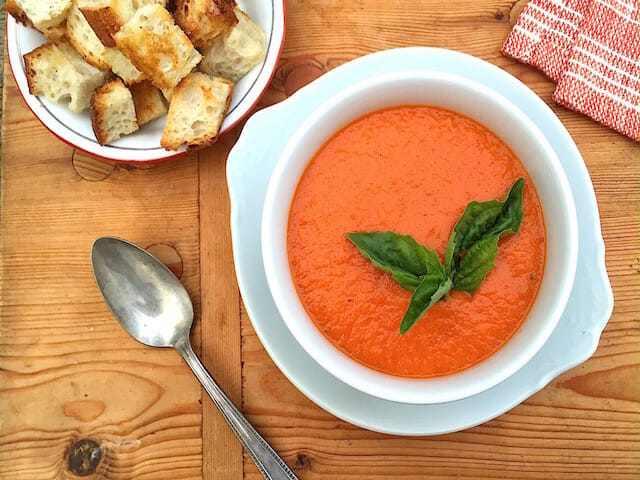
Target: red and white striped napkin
[592, 49]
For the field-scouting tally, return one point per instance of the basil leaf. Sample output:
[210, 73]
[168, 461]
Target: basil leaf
[452, 246]
[476, 264]
[400, 255]
[476, 220]
[428, 293]
[484, 219]
[408, 281]
[511, 215]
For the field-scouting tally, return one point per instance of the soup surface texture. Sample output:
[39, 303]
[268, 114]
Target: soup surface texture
[412, 170]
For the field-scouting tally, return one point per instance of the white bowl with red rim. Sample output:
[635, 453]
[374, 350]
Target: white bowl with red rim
[144, 145]
[423, 87]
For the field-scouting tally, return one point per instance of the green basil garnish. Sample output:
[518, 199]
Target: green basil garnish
[429, 291]
[511, 215]
[469, 257]
[400, 255]
[476, 264]
[484, 219]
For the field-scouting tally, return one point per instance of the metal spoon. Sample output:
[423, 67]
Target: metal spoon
[153, 306]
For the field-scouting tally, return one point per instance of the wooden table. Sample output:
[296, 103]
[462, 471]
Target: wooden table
[69, 374]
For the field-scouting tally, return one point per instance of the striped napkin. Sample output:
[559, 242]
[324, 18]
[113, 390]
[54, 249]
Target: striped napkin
[592, 49]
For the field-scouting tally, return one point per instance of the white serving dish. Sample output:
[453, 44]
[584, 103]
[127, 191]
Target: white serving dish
[144, 145]
[249, 168]
[423, 87]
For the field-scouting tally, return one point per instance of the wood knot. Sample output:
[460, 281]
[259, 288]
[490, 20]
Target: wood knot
[84, 457]
[618, 383]
[90, 168]
[168, 255]
[302, 462]
[498, 15]
[299, 73]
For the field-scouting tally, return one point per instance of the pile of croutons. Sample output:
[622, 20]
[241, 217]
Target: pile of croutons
[126, 59]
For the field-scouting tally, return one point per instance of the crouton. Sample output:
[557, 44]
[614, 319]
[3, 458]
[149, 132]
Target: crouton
[43, 15]
[233, 55]
[203, 20]
[106, 17]
[157, 47]
[52, 33]
[57, 71]
[84, 40]
[197, 110]
[113, 113]
[122, 67]
[148, 101]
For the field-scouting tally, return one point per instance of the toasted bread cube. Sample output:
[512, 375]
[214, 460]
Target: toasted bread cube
[106, 17]
[203, 20]
[57, 71]
[113, 112]
[122, 67]
[52, 33]
[149, 102]
[197, 110]
[43, 15]
[157, 47]
[84, 40]
[235, 54]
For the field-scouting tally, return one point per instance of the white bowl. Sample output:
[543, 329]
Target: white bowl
[535, 153]
[144, 145]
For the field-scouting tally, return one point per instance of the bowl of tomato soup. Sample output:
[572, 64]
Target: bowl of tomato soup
[406, 153]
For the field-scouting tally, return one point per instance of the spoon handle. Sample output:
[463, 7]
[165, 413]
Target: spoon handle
[266, 459]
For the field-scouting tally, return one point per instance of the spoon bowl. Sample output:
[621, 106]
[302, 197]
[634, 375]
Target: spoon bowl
[141, 292]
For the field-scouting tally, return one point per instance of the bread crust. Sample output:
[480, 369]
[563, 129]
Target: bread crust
[98, 116]
[29, 68]
[100, 113]
[104, 22]
[92, 51]
[203, 20]
[13, 9]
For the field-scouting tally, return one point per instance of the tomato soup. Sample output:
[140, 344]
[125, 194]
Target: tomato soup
[411, 170]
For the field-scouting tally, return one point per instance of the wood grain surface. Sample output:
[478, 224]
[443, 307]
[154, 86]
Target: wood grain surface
[69, 374]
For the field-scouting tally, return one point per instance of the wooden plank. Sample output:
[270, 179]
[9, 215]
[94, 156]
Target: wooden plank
[222, 453]
[68, 371]
[584, 425]
[58, 342]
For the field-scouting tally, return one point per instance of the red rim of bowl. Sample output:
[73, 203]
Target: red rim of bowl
[171, 157]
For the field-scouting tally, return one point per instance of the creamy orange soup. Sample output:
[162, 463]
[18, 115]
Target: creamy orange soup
[412, 170]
